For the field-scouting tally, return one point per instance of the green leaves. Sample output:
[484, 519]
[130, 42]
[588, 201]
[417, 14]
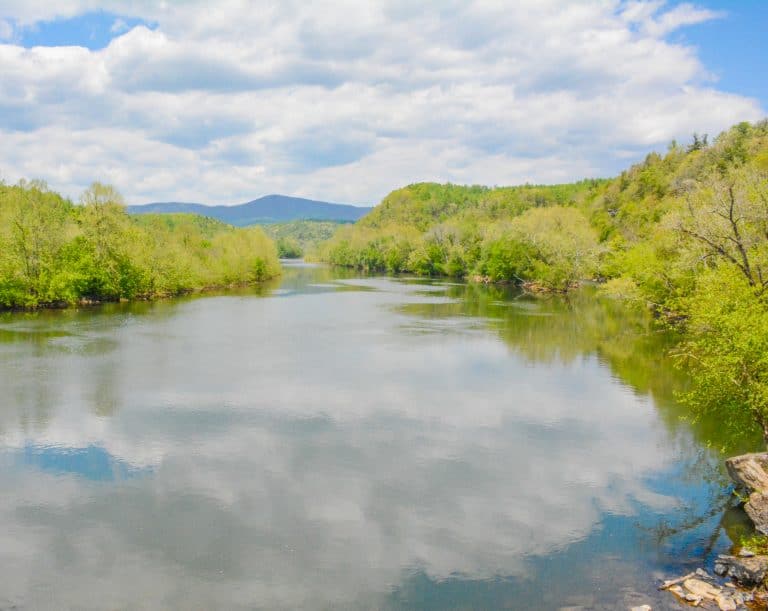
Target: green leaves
[52, 252]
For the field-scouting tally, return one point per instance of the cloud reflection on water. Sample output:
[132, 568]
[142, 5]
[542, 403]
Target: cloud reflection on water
[310, 450]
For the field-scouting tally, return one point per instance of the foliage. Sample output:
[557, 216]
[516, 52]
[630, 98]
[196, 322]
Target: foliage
[727, 345]
[755, 542]
[55, 252]
[516, 234]
[298, 238]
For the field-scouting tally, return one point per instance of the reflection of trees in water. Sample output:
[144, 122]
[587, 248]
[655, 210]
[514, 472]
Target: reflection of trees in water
[547, 329]
[628, 342]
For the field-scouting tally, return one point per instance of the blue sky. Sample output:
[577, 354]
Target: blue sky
[223, 102]
[93, 30]
[735, 46]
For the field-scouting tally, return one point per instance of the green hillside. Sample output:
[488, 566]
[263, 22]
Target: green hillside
[296, 238]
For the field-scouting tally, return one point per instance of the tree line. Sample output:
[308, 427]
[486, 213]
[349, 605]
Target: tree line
[54, 252]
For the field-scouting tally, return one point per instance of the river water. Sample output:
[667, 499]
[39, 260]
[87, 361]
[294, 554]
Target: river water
[332, 441]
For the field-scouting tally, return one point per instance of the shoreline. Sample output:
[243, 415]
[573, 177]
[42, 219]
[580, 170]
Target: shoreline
[88, 303]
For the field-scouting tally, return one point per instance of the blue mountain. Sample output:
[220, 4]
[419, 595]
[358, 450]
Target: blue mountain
[262, 211]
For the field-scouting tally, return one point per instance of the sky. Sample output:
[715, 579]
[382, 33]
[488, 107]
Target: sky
[223, 102]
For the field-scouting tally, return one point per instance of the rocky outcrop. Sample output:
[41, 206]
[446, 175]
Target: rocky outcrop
[750, 474]
[749, 471]
[748, 571]
[757, 510]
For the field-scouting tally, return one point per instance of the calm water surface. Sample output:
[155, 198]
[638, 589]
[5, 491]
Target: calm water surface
[337, 442]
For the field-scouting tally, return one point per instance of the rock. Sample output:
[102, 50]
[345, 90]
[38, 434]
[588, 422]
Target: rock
[667, 585]
[725, 602]
[757, 510]
[749, 471]
[701, 589]
[677, 591]
[746, 571]
[746, 553]
[642, 608]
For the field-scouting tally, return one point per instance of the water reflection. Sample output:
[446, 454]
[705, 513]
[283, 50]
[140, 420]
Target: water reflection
[92, 462]
[346, 442]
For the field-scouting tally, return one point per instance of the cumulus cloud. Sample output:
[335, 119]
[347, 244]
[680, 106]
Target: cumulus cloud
[348, 100]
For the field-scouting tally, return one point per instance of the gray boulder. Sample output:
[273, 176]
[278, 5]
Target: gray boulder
[748, 572]
[757, 510]
[749, 471]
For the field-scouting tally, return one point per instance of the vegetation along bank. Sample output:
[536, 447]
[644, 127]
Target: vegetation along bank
[55, 253]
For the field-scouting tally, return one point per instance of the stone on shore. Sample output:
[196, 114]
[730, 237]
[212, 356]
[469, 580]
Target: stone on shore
[749, 571]
[750, 473]
[757, 510]
[702, 589]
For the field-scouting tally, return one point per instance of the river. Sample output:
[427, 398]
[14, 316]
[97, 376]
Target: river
[336, 441]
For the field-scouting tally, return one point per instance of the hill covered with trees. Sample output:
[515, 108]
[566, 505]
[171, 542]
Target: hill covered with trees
[296, 238]
[54, 252]
[685, 233]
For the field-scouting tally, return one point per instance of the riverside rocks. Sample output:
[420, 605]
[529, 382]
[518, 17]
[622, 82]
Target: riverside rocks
[749, 571]
[701, 589]
[750, 473]
[746, 570]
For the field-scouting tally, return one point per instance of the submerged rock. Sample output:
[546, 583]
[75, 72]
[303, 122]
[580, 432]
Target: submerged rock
[748, 571]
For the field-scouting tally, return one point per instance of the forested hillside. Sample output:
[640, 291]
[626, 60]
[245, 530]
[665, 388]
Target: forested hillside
[685, 233]
[295, 238]
[508, 233]
[53, 252]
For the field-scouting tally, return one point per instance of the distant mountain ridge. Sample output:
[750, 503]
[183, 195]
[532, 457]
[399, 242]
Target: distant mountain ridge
[264, 210]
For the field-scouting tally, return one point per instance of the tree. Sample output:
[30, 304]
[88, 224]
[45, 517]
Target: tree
[561, 246]
[699, 142]
[34, 226]
[726, 350]
[728, 218]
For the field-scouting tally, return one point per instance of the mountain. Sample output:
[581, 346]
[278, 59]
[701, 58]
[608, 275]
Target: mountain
[265, 210]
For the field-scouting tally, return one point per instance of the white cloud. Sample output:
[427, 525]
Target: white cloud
[681, 15]
[330, 100]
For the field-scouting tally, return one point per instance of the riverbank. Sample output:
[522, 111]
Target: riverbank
[86, 303]
[54, 252]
